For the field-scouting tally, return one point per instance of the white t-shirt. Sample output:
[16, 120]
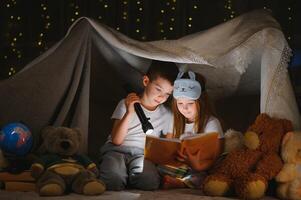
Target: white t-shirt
[160, 118]
[213, 125]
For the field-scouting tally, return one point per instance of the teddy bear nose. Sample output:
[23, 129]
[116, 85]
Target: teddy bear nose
[65, 144]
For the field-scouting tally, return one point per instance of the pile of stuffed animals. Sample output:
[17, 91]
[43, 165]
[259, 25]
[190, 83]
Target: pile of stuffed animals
[246, 172]
[268, 150]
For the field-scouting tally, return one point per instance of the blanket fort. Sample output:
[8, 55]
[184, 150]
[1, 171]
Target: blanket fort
[78, 81]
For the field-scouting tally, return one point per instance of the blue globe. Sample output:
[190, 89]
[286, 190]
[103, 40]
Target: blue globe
[15, 139]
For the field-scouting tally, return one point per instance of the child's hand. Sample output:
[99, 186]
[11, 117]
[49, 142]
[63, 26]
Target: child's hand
[191, 159]
[181, 156]
[195, 161]
[129, 102]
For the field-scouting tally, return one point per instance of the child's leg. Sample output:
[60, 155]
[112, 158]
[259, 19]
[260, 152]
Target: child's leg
[113, 171]
[143, 174]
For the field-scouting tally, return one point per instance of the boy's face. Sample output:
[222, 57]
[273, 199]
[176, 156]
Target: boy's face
[157, 91]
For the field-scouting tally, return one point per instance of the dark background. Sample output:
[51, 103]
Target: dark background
[30, 27]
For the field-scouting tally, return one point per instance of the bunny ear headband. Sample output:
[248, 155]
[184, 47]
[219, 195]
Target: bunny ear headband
[187, 88]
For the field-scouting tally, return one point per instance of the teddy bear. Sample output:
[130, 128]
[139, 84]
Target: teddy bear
[289, 178]
[247, 171]
[61, 168]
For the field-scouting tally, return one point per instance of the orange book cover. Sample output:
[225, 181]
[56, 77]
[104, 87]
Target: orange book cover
[20, 186]
[23, 176]
[165, 151]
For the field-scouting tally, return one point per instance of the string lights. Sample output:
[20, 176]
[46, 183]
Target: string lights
[167, 19]
[172, 19]
[100, 16]
[41, 41]
[229, 12]
[139, 31]
[193, 13]
[12, 57]
[123, 22]
[75, 11]
[289, 21]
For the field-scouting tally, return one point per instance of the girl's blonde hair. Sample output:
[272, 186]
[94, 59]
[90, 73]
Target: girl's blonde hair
[204, 111]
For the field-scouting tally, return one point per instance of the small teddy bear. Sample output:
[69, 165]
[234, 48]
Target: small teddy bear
[289, 178]
[60, 168]
[248, 170]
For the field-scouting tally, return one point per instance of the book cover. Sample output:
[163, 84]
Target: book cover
[19, 186]
[164, 151]
[23, 176]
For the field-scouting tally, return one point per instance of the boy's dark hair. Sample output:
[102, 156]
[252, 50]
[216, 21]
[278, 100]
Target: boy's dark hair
[166, 70]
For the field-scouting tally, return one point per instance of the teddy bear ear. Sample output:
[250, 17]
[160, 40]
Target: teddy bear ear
[45, 131]
[287, 137]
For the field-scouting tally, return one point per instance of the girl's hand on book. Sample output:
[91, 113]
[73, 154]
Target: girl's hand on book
[181, 156]
[194, 161]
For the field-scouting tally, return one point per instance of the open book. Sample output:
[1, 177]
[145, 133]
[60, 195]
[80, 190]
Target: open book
[164, 151]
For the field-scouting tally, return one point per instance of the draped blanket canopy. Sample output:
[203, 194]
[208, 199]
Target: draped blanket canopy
[79, 81]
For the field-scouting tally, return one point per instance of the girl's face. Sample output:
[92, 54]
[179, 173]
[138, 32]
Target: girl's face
[187, 108]
[156, 91]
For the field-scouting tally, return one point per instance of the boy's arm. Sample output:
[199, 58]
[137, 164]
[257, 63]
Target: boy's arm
[121, 126]
[120, 129]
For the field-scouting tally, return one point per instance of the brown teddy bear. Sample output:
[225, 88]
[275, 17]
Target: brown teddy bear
[249, 169]
[60, 168]
[289, 178]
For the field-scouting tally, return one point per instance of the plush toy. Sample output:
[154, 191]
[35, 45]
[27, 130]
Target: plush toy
[61, 168]
[289, 178]
[247, 171]
[232, 140]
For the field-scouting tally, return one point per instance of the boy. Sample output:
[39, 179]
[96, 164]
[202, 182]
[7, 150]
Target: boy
[122, 157]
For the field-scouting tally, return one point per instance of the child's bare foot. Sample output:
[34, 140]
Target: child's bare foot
[170, 182]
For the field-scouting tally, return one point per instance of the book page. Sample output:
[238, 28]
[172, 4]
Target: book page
[161, 150]
[207, 143]
[165, 151]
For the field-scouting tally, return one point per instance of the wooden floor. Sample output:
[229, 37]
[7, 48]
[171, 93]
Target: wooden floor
[183, 194]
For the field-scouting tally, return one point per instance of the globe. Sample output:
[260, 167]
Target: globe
[15, 139]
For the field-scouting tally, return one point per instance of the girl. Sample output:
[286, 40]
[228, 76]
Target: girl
[192, 115]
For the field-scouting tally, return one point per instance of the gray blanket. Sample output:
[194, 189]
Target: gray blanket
[79, 81]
